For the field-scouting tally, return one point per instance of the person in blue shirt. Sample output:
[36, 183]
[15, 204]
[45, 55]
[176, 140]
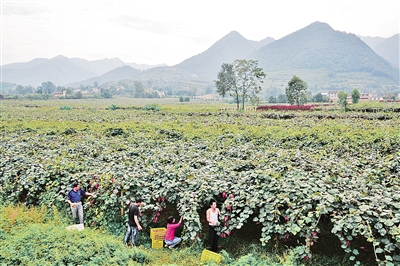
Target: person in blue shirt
[75, 201]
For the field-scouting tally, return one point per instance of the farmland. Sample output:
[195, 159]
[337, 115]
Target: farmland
[309, 176]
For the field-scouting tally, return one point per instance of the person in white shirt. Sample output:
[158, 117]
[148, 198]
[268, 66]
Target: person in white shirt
[212, 219]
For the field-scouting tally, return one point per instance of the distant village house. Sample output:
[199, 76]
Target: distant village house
[59, 94]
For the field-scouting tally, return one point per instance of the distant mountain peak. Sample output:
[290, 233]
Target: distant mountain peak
[60, 57]
[319, 46]
[320, 24]
[317, 26]
[234, 33]
[226, 50]
[322, 56]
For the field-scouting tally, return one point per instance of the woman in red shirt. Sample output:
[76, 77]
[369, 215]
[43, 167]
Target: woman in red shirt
[170, 239]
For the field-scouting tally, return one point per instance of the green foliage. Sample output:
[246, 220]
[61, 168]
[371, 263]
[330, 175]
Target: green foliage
[184, 99]
[296, 91]
[138, 89]
[281, 98]
[38, 96]
[342, 95]
[69, 131]
[46, 88]
[35, 242]
[65, 107]
[38, 237]
[250, 259]
[226, 81]
[152, 107]
[247, 77]
[112, 107]
[112, 132]
[78, 95]
[15, 217]
[106, 93]
[288, 176]
[241, 79]
[252, 254]
[375, 107]
[319, 98]
[355, 96]
[272, 99]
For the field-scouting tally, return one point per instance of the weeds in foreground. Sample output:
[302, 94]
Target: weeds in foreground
[38, 236]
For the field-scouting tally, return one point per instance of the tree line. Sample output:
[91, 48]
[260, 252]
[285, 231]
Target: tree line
[242, 78]
[47, 89]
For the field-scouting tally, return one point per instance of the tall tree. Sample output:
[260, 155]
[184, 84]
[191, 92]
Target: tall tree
[29, 89]
[68, 92]
[282, 98]
[242, 80]
[46, 88]
[78, 95]
[296, 91]
[342, 95]
[272, 99]
[355, 96]
[248, 77]
[226, 82]
[139, 89]
[106, 93]
[318, 98]
[19, 89]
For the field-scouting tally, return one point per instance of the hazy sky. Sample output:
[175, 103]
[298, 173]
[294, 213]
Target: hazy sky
[165, 31]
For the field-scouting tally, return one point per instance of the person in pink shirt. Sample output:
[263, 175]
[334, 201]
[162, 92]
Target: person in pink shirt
[170, 239]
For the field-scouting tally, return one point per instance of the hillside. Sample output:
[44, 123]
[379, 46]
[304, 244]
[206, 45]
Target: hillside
[371, 41]
[59, 70]
[258, 44]
[123, 72]
[318, 54]
[207, 64]
[66, 71]
[324, 56]
[99, 67]
[144, 66]
[389, 50]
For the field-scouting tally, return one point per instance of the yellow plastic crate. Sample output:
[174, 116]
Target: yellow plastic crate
[207, 255]
[157, 243]
[158, 233]
[159, 237]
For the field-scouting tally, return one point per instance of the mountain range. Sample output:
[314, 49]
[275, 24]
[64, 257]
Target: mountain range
[321, 56]
[388, 48]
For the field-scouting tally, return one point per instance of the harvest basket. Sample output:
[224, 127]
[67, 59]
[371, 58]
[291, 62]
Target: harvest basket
[158, 233]
[157, 243]
[207, 255]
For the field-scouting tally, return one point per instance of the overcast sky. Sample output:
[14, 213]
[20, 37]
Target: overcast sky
[168, 32]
